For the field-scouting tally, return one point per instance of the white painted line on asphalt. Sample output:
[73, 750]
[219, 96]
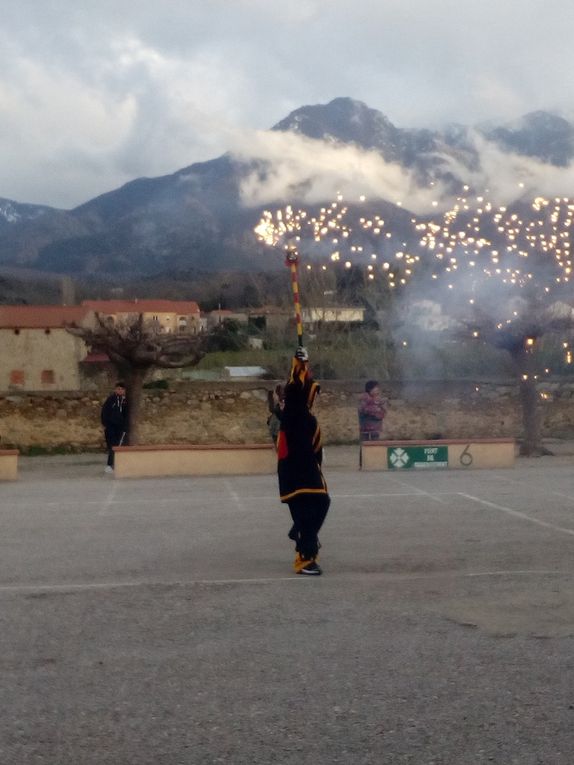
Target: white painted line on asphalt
[187, 500]
[404, 577]
[108, 502]
[530, 488]
[518, 514]
[71, 587]
[524, 572]
[434, 497]
[234, 495]
[418, 493]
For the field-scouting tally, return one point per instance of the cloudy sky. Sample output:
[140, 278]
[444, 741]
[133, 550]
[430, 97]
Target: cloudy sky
[94, 93]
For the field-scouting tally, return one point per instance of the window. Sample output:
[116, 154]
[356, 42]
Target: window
[47, 377]
[17, 377]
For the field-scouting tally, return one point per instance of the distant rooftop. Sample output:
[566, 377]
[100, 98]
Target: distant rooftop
[184, 307]
[41, 316]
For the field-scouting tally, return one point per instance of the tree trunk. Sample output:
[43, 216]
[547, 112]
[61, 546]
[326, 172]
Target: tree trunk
[531, 418]
[531, 440]
[135, 379]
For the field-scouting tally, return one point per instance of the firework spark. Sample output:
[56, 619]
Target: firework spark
[338, 232]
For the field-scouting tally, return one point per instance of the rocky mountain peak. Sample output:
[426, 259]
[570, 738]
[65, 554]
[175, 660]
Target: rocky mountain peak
[195, 216]
[345, 120]
[543, 135]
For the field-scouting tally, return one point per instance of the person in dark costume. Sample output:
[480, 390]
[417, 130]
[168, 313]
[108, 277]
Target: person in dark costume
[299, 456]
[115, 419]
[275, 402]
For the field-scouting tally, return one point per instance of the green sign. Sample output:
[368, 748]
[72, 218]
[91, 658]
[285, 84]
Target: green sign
[408, 457]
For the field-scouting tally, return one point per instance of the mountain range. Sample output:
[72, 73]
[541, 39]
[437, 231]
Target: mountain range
[195, 217]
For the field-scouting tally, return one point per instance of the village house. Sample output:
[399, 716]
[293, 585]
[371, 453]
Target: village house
[220, 315]
[37, 353]
[270, 318]
[314, 316]
[168, 315]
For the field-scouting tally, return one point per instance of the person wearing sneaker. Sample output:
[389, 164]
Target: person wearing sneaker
[115, 419]
[299, 455]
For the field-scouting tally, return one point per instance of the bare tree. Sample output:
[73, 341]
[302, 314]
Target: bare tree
[523, 339]
[504, 272]
[135, 347]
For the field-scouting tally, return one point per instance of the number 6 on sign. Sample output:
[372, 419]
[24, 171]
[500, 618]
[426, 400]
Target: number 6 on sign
[466, 457]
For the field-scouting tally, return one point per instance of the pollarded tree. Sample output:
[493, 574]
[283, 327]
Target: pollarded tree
[503, 273]
[524, 340]
[135, 347]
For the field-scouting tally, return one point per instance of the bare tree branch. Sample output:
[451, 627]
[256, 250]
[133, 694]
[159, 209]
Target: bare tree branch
[135, 347]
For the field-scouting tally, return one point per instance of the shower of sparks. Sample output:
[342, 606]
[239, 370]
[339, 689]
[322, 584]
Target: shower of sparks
[478, 243]
[495, 242]
[336, 233]
[466, 249]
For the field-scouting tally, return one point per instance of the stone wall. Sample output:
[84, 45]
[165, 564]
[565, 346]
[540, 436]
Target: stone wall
[236, 412]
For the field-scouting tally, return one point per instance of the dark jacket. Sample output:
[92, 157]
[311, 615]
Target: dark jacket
[299, 446]
[115, 413]
[274, 422]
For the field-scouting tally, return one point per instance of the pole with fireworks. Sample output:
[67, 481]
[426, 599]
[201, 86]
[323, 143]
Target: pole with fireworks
[292, 262]
[282, 228]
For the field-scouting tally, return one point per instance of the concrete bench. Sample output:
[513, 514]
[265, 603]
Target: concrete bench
[455, 454]
[8, 464]
[182, 459]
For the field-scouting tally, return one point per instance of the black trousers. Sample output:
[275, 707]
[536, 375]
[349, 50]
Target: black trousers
[114, 437]
[308, 512]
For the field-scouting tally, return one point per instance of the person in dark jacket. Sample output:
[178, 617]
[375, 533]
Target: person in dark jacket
[115, 419]
[299, 456]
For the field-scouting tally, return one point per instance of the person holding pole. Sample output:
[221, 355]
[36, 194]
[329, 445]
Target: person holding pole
[115, 419]
[299, 456]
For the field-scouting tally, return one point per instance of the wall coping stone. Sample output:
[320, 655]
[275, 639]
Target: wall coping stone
[443, 441]
[190, 447]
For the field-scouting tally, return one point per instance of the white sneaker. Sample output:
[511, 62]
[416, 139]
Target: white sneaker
[109, 469]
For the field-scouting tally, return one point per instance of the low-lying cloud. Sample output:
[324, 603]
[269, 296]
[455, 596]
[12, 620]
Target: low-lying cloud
[297, 169]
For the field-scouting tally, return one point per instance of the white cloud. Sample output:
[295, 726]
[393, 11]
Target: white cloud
[93, 94]
[509, 177]
[314, 171]
[302, 170]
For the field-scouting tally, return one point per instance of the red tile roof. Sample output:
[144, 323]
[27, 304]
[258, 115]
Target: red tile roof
[183, 307]
[41, 316]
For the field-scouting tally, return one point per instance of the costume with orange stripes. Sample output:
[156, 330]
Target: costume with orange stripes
[299, 454]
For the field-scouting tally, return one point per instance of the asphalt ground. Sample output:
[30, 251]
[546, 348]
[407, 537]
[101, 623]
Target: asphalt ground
[158, 622]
